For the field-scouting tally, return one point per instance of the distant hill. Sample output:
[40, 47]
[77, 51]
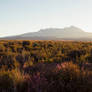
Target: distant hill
[68, 33]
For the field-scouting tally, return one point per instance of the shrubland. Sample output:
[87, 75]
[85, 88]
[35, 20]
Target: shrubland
[45, 66]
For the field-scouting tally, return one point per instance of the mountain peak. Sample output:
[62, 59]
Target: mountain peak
[74, 29]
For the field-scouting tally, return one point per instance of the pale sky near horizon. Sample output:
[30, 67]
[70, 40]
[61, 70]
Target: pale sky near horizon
[22, 16]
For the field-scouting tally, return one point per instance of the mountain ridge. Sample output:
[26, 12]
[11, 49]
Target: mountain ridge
[69, 33]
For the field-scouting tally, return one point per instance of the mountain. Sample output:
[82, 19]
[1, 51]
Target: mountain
[68, 33]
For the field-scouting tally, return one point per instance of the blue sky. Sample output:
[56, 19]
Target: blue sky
[21, 16]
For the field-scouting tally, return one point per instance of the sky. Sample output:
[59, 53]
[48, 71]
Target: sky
[22, 16]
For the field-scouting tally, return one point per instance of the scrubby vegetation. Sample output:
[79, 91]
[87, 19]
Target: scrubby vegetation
[45, 66]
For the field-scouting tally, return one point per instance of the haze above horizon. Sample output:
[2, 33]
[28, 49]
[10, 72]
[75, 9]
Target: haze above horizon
[22, 16]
